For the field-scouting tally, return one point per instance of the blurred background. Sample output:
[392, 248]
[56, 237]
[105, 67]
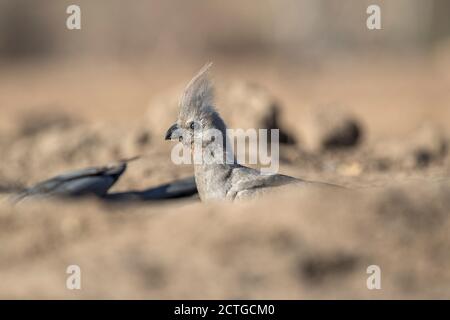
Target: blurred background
[36, 30]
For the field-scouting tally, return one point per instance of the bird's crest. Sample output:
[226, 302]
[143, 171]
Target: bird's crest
[198, 96]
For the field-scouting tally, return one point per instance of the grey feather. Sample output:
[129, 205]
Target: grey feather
[97, 181]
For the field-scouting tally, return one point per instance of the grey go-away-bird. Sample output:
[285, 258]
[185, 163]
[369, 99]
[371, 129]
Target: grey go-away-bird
[226, 180]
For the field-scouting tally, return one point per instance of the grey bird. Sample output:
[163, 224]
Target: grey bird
[227, 180]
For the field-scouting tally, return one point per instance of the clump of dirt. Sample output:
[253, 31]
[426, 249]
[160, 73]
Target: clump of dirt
[418, 149]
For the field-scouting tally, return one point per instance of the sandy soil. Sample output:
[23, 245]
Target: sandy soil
[311, 244]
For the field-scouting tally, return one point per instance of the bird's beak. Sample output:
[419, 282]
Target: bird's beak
[172, 134]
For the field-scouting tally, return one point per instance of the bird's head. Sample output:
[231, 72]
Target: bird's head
[197, 114]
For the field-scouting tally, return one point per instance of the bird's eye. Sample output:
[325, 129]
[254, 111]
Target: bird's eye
[180, 138]
[192, 125]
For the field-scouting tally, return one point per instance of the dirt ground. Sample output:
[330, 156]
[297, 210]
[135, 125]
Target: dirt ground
[66, 115]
